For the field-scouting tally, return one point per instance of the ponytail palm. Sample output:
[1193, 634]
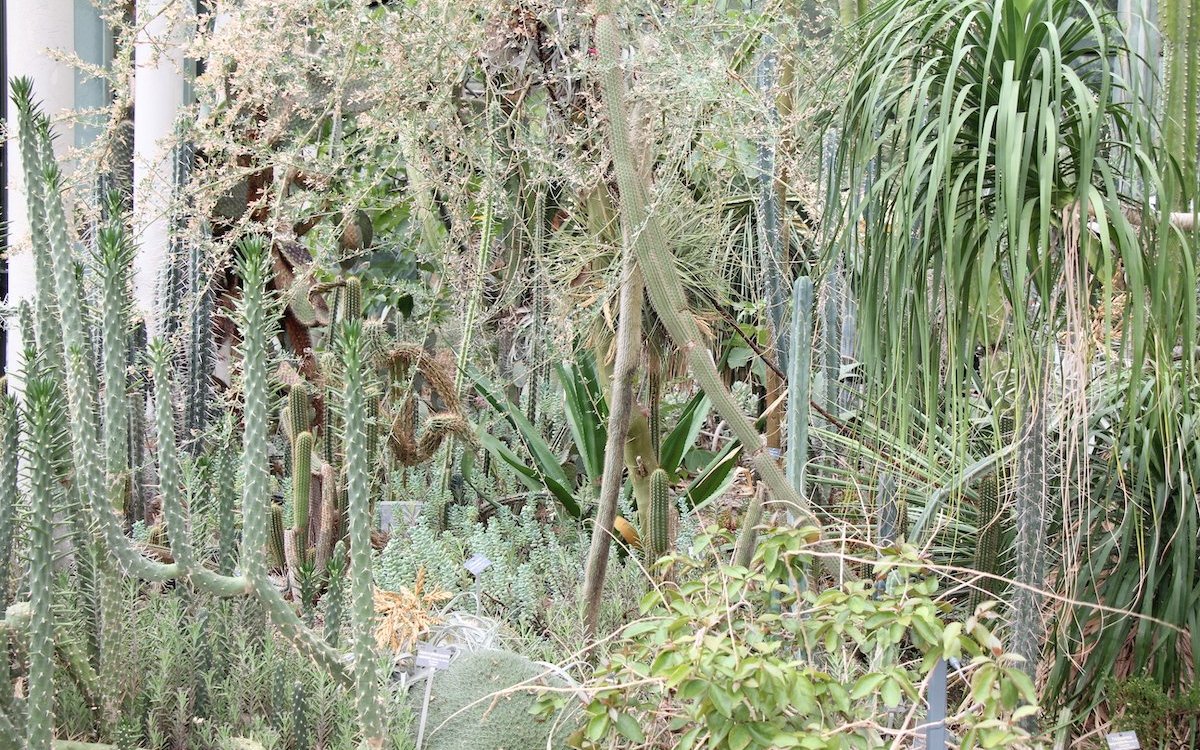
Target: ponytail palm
[996, 224]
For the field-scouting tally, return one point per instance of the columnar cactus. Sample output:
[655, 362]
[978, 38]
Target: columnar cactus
[42, 419]
[658, 534]
[99, 463]
[9, 497]
[987, 547]
[799, 385]
[366, 690]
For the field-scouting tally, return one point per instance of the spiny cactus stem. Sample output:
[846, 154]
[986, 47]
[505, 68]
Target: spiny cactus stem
[171, 478]
[301, 487]
[366, 687]
[40, 696]
[49, 339]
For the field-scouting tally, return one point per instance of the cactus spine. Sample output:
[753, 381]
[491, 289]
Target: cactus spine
[658, 537]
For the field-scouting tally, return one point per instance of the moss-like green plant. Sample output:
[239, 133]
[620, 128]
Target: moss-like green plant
[483, 702]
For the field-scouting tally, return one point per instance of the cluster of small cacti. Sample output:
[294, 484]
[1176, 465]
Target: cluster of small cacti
[318, 435]
[66, 435]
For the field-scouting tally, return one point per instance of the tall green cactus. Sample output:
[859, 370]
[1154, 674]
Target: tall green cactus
[42, 420]
[366, 688]
[799, 385]
[302, 448]
[987, 546]
[657, 539]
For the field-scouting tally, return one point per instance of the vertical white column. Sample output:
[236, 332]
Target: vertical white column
[159, 81]
[34, 27]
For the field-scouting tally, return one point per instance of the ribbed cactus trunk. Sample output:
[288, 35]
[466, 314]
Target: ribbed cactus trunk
[656, 538]
[657, 264]
[987, 544]
[1180, 26]
[799, 386]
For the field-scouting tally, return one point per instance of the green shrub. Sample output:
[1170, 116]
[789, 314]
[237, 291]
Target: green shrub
[740, 658]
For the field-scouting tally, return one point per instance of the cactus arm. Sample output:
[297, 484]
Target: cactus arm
[629, 336]
[227, 500]
[256, 477]
[799, 384]
[41, 433]
[662, 281]
[366, 687]
[31, 123]
[743, 552]
[9, 497]
[301, 487]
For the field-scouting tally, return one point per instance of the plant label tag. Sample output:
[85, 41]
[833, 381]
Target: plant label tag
[1123, 741]
[477, 564]
[432, 657]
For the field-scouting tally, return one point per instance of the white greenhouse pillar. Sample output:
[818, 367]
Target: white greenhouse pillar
[33, 28]
[159, 86]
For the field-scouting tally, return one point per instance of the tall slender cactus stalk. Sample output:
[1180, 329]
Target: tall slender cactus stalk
[799, 384]
[42, 422]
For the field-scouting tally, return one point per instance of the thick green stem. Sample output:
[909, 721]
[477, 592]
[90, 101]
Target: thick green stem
[799, 384]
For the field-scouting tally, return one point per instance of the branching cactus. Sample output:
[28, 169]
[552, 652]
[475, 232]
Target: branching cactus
[99, 463]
